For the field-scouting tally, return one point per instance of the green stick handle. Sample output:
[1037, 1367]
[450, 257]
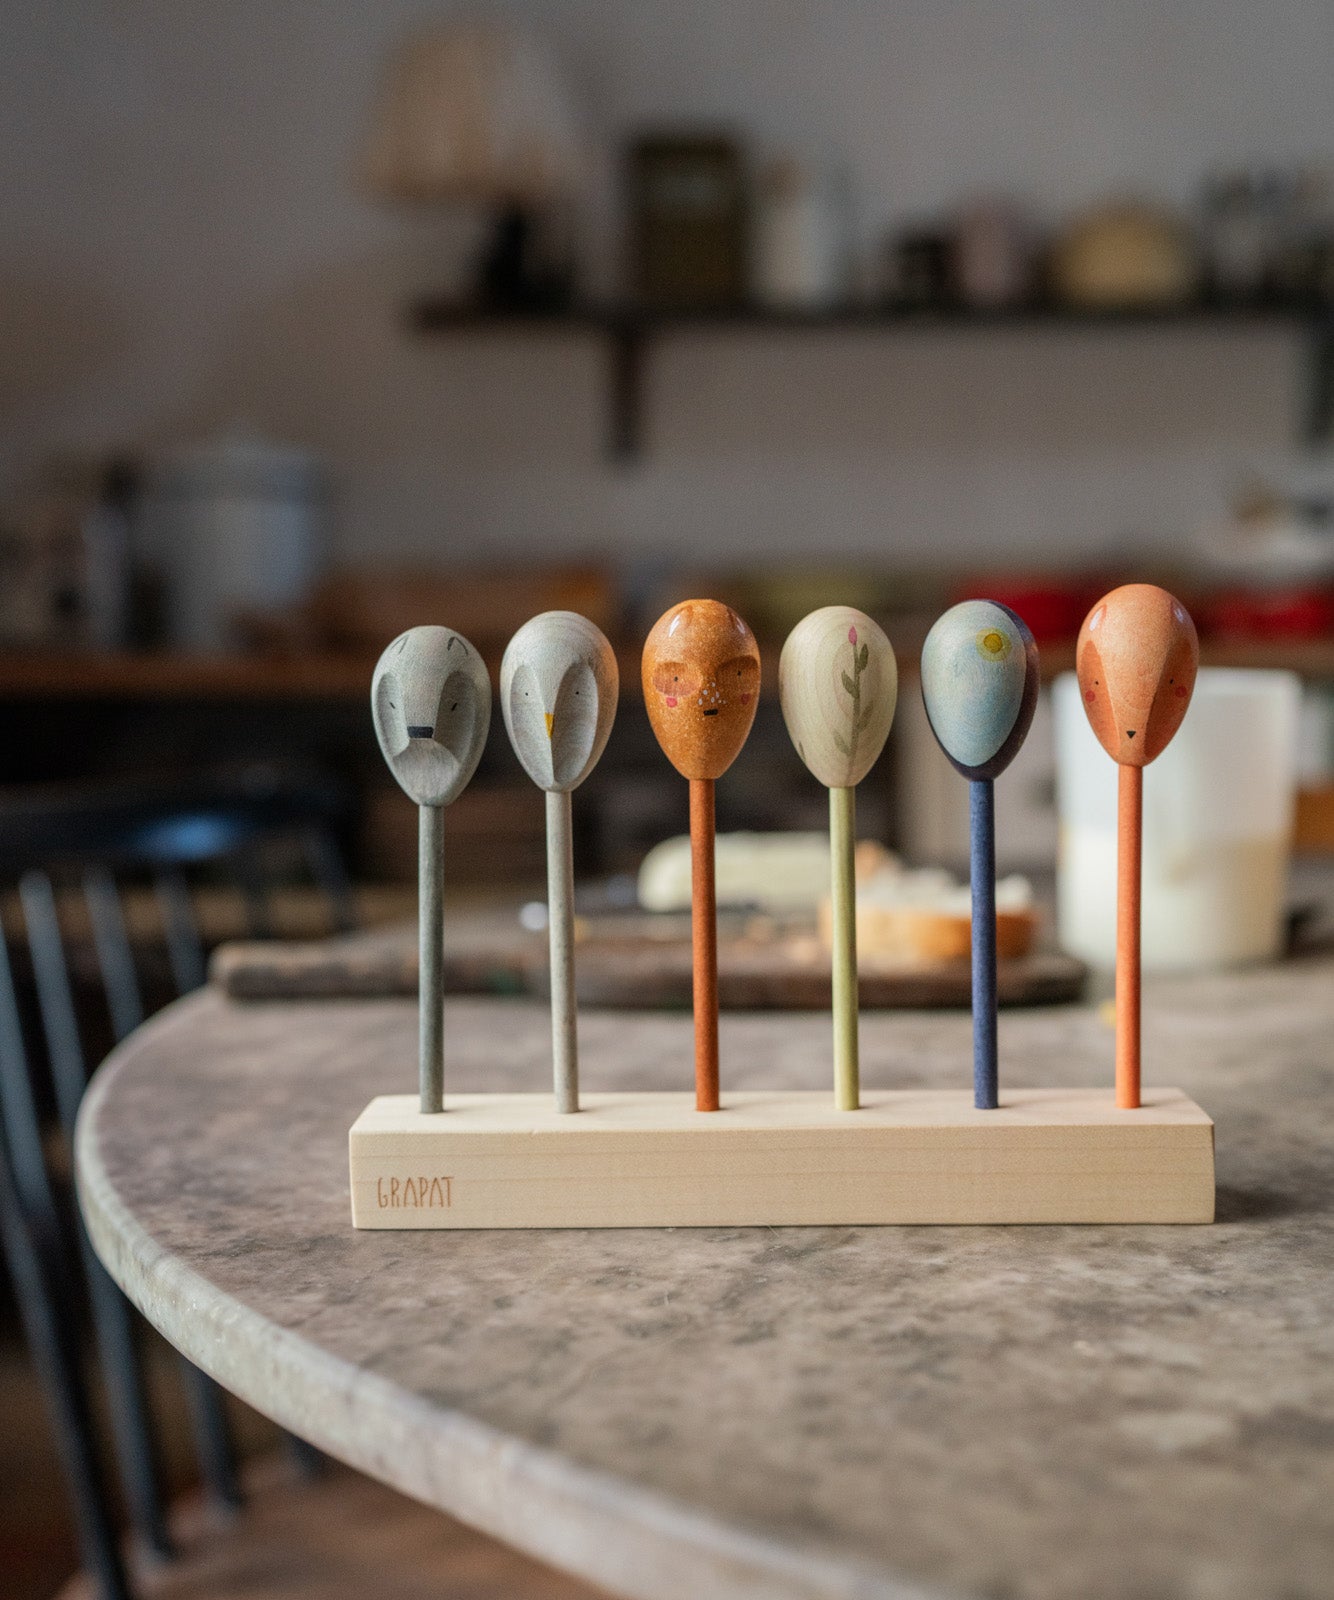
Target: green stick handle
[843, 896]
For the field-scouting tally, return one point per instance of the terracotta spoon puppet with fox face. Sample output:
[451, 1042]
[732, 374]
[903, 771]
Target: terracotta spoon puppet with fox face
[1136, 660]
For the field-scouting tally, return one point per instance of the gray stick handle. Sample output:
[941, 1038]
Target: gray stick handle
[431, 957]
[560, 929]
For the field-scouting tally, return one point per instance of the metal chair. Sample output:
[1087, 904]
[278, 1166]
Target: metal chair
[77, 850]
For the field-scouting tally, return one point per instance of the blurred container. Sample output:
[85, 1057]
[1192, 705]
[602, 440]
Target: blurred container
[688, 220]
[1052, 605]
[917, 269]
[1124, 255]
[798, 255]
[1218, 808]
[992, 255]
[1243, 225]
[64, 558]
[238, 525]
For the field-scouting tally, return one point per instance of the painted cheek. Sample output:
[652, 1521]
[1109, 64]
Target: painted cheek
[671, 700]
[1090, 697]
[745, 699]
[1181, 691]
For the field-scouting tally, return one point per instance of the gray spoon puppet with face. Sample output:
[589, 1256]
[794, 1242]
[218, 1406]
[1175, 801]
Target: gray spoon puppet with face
[558, 690]
[431, 701]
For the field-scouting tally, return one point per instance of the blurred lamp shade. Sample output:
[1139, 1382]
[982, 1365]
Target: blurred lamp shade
[476, 115]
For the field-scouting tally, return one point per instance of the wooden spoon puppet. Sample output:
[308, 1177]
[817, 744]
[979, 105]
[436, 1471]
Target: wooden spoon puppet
[1136, 660]
[838, 682]
[431, 701]
[558, 690]
[980, 687]
[701, 679]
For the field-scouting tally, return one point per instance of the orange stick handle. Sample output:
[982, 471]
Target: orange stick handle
[704, 943]
[1129, 826]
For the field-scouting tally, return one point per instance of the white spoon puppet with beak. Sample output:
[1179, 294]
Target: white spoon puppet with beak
[558, 690]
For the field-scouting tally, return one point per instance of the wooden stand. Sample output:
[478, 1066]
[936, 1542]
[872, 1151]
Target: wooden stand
[781, 1158]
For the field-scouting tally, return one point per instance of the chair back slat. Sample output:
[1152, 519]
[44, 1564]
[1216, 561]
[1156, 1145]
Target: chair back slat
[55, 998]
[122, 1364]
[180, 930]
[329, 873]
[97, 840]
[255, 891]
[19, 1116]
[50, 1324]
[115, 957]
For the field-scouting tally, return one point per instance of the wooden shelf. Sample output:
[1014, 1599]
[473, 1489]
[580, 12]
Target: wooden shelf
[176, 676]
[628, 330]
[148, 676]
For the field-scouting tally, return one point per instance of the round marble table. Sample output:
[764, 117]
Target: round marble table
[1019, 1412]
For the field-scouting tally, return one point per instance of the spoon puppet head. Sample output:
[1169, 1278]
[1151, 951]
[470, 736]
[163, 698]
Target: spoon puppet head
[431, 701]
[558, 689]
[838, 682]
[701, 677]
[1136, 660]
[980, 685]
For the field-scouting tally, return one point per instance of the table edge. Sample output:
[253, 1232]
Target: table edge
[631, 1540]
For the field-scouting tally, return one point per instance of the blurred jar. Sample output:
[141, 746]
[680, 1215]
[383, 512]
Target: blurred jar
[64, 557]
[1218, 806]
[797, 258]
[992, 255]
[238, 526]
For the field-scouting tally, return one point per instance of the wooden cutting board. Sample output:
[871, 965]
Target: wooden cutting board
[626, 962]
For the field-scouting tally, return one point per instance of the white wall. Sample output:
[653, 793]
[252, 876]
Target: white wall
[181, 244]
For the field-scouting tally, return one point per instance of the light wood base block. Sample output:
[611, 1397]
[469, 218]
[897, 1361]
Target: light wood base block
[782, 1158]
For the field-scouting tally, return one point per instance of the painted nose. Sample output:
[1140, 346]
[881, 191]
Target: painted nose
[421, 732]
[1130, 733]
[549, 720]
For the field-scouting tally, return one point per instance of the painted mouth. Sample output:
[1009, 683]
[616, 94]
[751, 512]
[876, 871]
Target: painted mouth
[712, 713]
[421, 733]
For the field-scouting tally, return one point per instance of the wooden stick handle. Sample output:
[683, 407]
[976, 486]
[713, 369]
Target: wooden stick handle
[560, 930]
[1129, 851]
[982, 869]
[704, 943]
[431, 957]
[843, 904]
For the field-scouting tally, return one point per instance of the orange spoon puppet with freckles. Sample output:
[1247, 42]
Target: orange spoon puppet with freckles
[701, 678]
[1136, 660]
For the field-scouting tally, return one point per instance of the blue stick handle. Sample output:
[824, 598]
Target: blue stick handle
[982, 827]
